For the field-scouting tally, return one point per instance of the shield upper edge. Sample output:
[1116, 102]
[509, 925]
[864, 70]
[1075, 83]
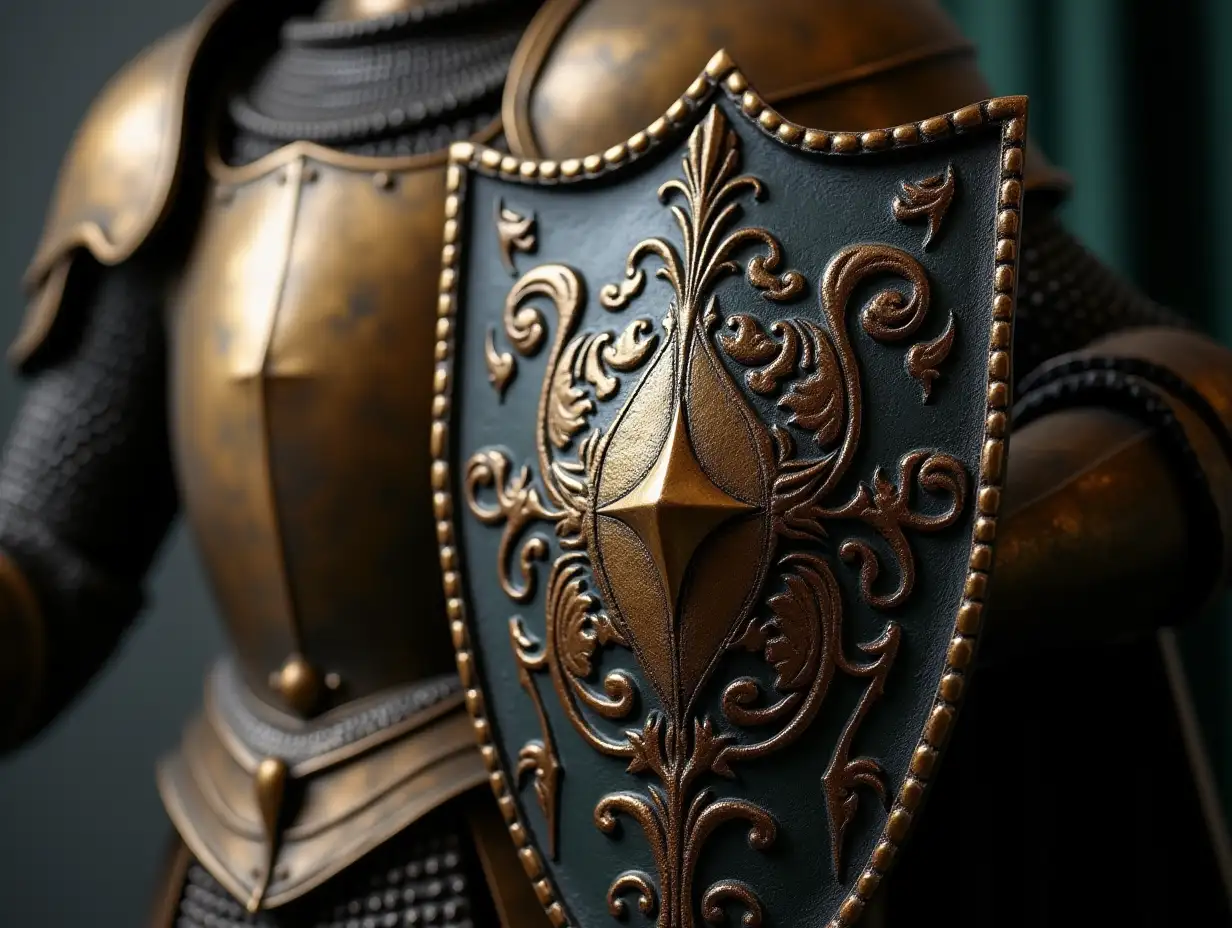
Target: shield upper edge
[722, 77]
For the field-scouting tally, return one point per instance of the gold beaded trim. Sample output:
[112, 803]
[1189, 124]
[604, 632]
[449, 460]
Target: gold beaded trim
[722, 75]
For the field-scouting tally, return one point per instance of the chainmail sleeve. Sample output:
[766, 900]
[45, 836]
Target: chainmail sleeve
[1067, 297]
[86, 485]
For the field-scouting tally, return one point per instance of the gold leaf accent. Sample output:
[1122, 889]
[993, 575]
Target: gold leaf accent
[927, 199]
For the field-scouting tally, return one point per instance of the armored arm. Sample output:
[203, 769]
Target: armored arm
[86, 492]
[1117, 492]
[86, 487]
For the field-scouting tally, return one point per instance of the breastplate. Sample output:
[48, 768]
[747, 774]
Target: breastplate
[302, 361]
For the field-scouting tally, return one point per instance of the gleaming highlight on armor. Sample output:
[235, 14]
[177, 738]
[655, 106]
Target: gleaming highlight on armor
[595, 419]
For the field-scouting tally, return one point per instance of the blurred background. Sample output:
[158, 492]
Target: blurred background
[1132, 97]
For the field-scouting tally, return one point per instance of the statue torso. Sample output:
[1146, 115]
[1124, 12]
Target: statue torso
[302, 356]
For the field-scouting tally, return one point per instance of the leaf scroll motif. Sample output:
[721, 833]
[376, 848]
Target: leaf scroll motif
[514, 232]
[924, 358]
[517, 506]
[928, 199]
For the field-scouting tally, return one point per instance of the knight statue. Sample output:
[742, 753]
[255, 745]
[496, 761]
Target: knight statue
[594, 418]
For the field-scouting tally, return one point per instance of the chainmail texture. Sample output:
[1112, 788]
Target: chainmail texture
[405, 84]
[86, 486]
[427, 876]
[249, 721]
[1067, 297]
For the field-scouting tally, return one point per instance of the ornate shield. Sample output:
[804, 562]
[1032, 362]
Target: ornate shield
[720, 427]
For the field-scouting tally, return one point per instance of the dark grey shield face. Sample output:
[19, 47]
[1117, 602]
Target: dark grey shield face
[721, 424]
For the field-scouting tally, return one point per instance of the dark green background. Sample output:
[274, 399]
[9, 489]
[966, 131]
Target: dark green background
[1133, 97]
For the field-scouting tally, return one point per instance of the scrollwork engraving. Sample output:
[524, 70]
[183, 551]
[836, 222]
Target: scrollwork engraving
[928, 199]
[648, 478]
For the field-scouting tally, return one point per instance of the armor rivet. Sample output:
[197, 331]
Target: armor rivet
[951, 687]
[1007, 222]
[960, 652]
[531, 862]
[896, 827]
[736, 83]
[921, 765]
[996, 424]
[1002, 107]
[912, 793]
[383, 180]
[968, 116]
[969, 617]
[985, 530]
[299, 684]
[868, 884]
[874, 141]
[938, 726]
[718, 65]
[790, 133]
[883, 856]
[592, 164]
[1011, 193]
[850, 910]
[678, 111]
[907, 135]
[845, 143]
[935, 127]
[998, 395]
[769, 120]
[999, 365]
[1001, 330]
[751, 103]
[816, 141]
[981, 559]
[990, 501]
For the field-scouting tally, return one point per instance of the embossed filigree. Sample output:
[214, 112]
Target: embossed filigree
[924, 358]
[683, 498]
[928, 199]
[796, 379]
[514, 232]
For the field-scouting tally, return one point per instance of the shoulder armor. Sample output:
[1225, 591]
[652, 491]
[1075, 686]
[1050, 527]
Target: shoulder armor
[832, 64]
[116, 180]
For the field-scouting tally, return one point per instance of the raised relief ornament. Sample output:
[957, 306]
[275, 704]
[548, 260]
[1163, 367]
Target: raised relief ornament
[720, 428]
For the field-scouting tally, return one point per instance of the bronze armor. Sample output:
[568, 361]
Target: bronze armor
[305, 316]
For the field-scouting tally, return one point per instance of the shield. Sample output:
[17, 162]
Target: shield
[720, 427]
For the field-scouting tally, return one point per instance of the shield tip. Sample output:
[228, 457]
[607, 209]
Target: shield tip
[720, 64]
